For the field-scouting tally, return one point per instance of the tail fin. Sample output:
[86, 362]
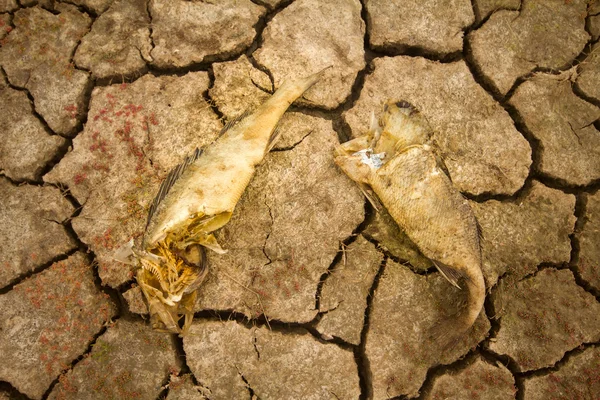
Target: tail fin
[262, 123]
[291, 90]
[449, 331]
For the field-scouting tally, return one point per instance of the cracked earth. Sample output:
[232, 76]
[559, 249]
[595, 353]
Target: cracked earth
[319, 296]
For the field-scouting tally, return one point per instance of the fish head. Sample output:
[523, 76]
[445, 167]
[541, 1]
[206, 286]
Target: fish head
[356, 159]
[402, 126]
[166, 279]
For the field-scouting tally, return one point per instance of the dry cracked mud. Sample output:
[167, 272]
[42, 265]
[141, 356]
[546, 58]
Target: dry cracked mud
[319, 295]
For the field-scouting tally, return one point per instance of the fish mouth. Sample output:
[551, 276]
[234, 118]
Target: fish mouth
[169, 281]
[370, 158]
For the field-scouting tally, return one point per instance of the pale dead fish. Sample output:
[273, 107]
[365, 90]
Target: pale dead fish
[197, 198]
[396, 161]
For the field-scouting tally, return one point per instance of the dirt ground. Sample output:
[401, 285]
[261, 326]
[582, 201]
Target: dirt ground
[319, 296]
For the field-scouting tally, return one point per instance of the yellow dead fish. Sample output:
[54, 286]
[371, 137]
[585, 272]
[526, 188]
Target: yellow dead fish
[396, 161]
[197, 198]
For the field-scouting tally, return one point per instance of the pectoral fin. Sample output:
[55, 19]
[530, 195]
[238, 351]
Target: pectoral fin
[452, 275]
[273, 139]
[371, 196]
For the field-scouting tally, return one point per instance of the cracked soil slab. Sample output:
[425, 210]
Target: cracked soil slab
[589, 73]
[25, 148]
[544, 34]
[190, 32]
[47, 4]
[576, 379]
[135, 134]
[47, 321]
[274, 365]
[483, 8]
[36, 55]
[435, 26]
[405, 307]
[512, 229]
[310, 35]
[542, 317]
[128, 361]
[118, 44]
[238, 87]
[594, 27]
[95, 6]
[480, 380]
[135, 300]
[480, 145]
[286, 229]
[563, 124]
[31, 233]
[5, 28]
[344, 294]
[588, 264]
[184, 388]
[8, 5]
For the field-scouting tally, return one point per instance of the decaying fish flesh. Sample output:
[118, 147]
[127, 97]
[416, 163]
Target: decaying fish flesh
[397, 162]
[197, 198]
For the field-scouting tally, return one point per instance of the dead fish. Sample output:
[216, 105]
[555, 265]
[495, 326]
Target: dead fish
[395, 163]
[197, 198]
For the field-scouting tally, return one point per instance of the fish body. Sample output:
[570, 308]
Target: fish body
[397, 162]
[197, 198]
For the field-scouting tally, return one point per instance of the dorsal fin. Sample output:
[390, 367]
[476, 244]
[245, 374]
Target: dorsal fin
[231, 123]
[273, 139]
[170, 180]
[479, 230]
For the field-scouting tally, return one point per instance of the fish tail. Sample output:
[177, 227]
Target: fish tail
[476, 288]
[290, 90]
[449, 331]
[262, 124]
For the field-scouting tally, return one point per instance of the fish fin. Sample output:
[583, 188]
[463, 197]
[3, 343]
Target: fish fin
[445, 334]
[371, 196]
[374, 130]
[234, 121]
[210, 242]
[273, 139]
[452, 275]
[439, 160]
[479, 230]
[170, 180]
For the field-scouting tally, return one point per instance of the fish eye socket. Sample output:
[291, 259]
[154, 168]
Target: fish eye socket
[406, 105]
